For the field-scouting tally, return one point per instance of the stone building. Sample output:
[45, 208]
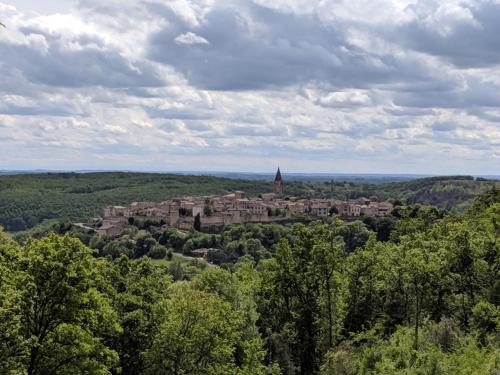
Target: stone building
[235, 208]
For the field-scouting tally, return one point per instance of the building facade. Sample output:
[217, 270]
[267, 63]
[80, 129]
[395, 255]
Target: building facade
[235, 208]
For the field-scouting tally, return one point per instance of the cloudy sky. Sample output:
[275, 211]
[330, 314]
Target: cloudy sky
[378, 86]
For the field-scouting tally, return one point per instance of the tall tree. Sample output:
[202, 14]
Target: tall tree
[307, 296]
[240, 289]
[197, 333]
[12, 345]
[66, 319]
[142, 284]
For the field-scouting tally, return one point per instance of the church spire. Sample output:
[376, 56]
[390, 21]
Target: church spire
[278, 184]
[278, 175]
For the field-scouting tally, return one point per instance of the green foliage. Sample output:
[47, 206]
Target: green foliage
[235, 241]
[486, 200]
[182, 269]
[486, 320]
[340, 361]
[196, 334]
[207, 210]
[157, 252]
[382, 226]
[28, 199]
[240, 289]
[325, 298]
[12, 346]
[197, 223]
[305, 295]
[396, 355]
[60, 315]
[142, 284]
[355, 235]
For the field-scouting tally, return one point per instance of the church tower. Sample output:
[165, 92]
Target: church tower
[278, 184]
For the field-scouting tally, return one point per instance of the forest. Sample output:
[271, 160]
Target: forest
[26, 200]
[421, 296]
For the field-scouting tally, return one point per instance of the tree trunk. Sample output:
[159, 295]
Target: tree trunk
[330, 318]
[417, 318]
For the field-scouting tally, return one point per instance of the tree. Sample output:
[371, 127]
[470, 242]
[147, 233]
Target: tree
[240, 288]
[207, 210]
[143, 245]
[197, 223]
[361, 271]
[486, 200]
[327, 254]
[485, 319]
[395, 355]
[306, 297]
[12, 345]
[355, 235]
[334, 211]
[420, 267]
[157, 252]
[339, 362]
[383, 226]
[176, 269]
[256, 250]
[115, 249]
[66, 318]
[143, 284]
[97, 242]
[196, 334]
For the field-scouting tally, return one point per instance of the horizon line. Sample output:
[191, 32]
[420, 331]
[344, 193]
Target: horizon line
[180, 171]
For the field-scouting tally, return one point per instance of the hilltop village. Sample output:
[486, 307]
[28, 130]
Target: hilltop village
[201, 212]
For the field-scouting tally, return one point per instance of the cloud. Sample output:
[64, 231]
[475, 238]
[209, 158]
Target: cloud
[465, 34]
[475, 92]
[253, 46]
[443, 126]
[98, 46]
[82, 61]
[43, 105]
[190, 38]
[345, 99]
[346, 86]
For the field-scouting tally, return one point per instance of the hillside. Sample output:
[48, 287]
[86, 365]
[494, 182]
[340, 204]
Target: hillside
[28, 199]
[424, 301]
[453, 193]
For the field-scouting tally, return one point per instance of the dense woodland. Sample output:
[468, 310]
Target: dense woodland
[317, 298]
[29, 199]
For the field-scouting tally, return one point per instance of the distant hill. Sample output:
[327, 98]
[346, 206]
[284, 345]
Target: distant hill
[453, 193]
[28, 199]
[372, 178]
[449, 192]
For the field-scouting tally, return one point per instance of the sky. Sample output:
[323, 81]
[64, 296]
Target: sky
[336, 86]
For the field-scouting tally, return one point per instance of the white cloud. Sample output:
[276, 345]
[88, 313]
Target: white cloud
[345, 98]
[448, 17]
[190, 38]
[347, 86]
